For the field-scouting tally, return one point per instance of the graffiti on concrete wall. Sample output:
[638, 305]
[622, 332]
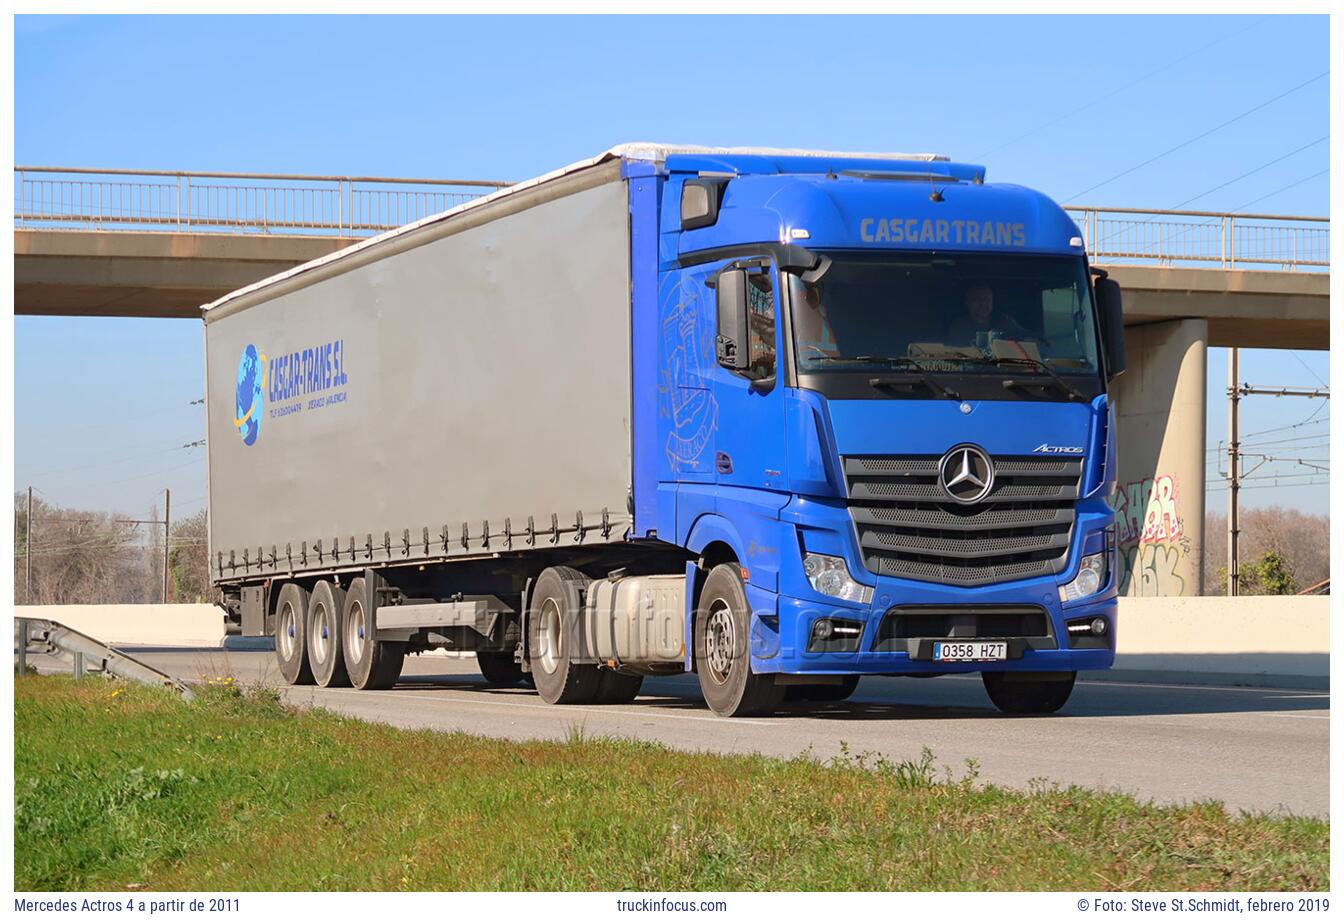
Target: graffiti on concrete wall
[1154, 544]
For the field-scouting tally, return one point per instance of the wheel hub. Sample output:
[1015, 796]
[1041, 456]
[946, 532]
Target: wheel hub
[720, 642]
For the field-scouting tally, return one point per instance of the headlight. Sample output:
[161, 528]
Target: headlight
[830, 576]
[1091, 577]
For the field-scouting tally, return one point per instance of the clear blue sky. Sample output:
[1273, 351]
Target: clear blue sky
[102, 406]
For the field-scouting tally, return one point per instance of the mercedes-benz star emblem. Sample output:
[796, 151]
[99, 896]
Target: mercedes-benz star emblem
[966, 474]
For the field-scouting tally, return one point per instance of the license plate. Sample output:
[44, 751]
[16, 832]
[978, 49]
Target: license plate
[970, 651]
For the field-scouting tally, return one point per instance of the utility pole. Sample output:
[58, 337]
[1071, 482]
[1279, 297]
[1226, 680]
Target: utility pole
[1234, 469]
[167, 497]
[1235, 391]
[28, 552]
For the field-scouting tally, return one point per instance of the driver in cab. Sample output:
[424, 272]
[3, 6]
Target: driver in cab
[979, 323]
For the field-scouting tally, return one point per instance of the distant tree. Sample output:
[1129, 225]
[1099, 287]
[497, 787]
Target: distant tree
[188, 561]
[1268, 575]
[1300, 540]
[78, 556]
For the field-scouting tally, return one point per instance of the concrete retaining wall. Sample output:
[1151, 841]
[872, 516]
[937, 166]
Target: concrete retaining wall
[1266, 641]
[1269, 641]
[193, 625]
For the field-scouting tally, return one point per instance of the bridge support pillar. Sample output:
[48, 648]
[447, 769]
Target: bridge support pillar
[1160, 410]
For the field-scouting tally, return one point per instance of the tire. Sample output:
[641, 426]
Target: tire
[615, 688]
[823, 693]
[326, 614]
[1029, 692]
[291, 635]
[556, 604]
[722, 659]
[499, 668]
[370, 663]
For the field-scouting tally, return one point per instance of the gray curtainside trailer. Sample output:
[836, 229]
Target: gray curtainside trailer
[459, 389]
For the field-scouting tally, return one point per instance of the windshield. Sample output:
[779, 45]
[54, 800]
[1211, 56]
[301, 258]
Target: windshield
[956, 322]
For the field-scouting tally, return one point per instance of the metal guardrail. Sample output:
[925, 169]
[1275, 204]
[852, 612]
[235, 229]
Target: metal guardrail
[1204, 238]
[146, 199]
[86, 653]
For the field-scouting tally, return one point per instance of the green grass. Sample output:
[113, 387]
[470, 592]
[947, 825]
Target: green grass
[120, 786]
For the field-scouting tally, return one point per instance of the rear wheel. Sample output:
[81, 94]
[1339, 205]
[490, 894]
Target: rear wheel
[823, 693]
[371, 663]
[1027, 692]
[291, 635]
[325, 611]
[557, 603]
[499, 668]
[722, 659]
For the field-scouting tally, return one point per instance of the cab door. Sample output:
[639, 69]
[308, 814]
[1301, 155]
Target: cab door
[749, 441]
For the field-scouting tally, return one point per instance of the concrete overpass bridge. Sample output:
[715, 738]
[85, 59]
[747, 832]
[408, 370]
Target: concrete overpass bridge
[159, 244]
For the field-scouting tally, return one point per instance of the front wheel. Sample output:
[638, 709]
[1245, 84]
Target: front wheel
[1029, 692]
[722, 649]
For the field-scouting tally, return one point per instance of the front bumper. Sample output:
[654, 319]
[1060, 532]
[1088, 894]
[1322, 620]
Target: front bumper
[780, 642]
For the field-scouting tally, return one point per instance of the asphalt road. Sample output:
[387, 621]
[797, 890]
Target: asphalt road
[1250, 748]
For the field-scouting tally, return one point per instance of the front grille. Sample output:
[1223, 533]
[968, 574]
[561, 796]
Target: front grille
[909, 527]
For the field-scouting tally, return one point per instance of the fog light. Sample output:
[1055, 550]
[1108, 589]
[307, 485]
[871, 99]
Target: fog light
[1099, 626]
[831, 635]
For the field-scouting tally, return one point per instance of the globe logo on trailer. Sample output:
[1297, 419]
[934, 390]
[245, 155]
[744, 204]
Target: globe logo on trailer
[248, 395]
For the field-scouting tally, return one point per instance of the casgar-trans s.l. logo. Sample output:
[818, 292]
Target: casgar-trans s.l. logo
[249, 395]
[290, 383]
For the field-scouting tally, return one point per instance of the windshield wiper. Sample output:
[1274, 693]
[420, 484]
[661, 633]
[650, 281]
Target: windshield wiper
[920, 371]
[1036, 362]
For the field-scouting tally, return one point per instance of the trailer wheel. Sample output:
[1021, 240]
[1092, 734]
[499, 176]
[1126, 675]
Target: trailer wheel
[556, 606]
[371, 663]
[614, 688]
[823, 693]
[722, 652]
[498, 668]
[1021, 693]
[326, 610]
[291, 635]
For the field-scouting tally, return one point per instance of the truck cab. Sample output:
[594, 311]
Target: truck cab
[883, 396]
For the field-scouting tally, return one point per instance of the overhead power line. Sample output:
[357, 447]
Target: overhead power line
[1111, 95]
[1291, 185]
[1252, 172]
[1200, 136]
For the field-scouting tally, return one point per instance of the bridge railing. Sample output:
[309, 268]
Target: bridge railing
[230, 202]
[363, 205]
[1264, 241]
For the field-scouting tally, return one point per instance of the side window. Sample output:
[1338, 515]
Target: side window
[761, 320]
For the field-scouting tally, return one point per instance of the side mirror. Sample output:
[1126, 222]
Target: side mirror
[1112, 326]
[730, 342]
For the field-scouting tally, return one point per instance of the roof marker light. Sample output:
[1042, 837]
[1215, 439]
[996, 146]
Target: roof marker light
[1076, 242]
[798, 233]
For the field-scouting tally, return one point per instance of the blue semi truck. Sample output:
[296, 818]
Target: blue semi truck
[778, 418]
